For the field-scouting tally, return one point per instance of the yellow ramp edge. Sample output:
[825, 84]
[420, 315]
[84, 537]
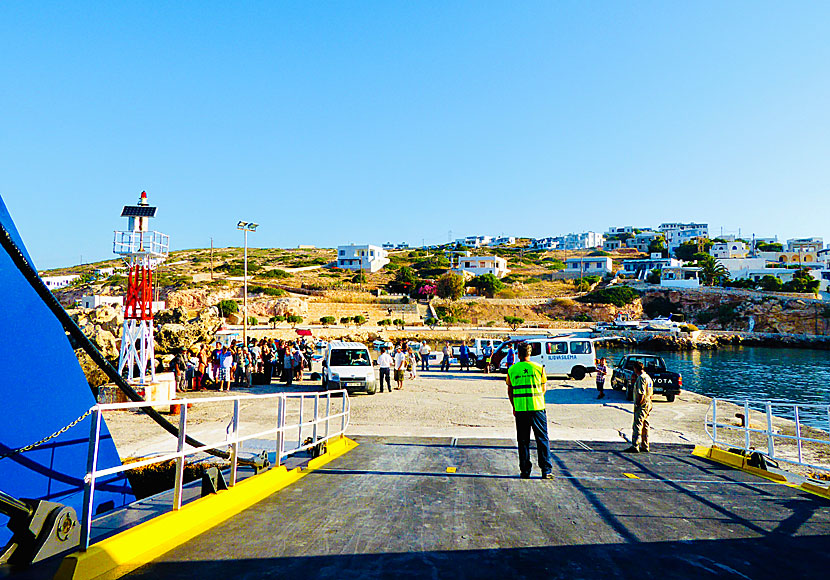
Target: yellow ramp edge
[124, 552]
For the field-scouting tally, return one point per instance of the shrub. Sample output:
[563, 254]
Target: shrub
[399, 323]
[385, 322]
[404, 299]
[293, 319]
[451, 285]
[252, 321]
[654, 276]
[688, 328]
[583, 317]
[619, 296]
[227, 307]
[345, 320]
[432, 322]
[487, 284]
[268, 291]
[327, 320]
[359, 320]
[274, 319]
[276, 273]
[359, 278]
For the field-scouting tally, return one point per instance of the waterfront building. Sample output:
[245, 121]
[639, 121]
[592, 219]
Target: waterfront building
[57, 282]
[589, 266]
[680, 277]
[805, 245]
[729, 250]
[642, 267]
[480, 265]
[677, 233]
[366, 257]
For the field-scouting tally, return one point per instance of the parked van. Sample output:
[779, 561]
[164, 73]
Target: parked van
[573, 356]
[348, 365]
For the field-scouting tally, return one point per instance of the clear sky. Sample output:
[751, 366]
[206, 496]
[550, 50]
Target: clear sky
[337, 122]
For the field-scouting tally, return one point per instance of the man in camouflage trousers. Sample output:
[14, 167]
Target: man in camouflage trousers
[643, 392]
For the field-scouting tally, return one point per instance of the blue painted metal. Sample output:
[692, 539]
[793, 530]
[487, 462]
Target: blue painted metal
[42, 389]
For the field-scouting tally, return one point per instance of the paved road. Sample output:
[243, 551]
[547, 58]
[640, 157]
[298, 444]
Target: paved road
[390, 509]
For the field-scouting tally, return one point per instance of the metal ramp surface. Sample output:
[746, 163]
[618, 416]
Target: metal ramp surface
[391, 509]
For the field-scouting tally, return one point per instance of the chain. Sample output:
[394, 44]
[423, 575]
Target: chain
[45, 439]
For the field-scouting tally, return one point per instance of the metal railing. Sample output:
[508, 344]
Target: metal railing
[138, 242]
[781, 434]
[308, 414]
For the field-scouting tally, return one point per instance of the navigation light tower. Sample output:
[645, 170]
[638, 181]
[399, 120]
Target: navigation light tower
[142, 250]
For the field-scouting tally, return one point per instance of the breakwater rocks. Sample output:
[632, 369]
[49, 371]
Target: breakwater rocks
[709, 340]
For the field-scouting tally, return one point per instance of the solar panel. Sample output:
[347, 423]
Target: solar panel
[138, 211]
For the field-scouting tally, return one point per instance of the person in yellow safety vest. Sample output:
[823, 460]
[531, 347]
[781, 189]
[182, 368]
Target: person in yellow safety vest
[526, 389]
[643, 392]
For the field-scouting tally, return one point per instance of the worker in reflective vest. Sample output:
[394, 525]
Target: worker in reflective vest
[526, 390]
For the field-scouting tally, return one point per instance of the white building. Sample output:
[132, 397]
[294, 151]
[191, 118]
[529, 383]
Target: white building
[583, 241]
[795, 258]
[680, 277]
[642, 240]
[503, 241]
[616, 230]
[104, 272]
[474, 241]
[365, 257]
[545, 244]
[729, 250]
[756, 274]
[57, 282]
[642, 268]
[589, 266]
[388, 246]
[480, 265]
[677, 233]
[612, 244]
[738, 266]
[805, 245]
[97, 300]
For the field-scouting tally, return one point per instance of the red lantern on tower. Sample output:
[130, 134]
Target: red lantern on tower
[142, 250]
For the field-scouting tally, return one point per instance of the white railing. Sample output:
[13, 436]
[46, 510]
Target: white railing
[306, 414]
[151, 243]
[777, 433]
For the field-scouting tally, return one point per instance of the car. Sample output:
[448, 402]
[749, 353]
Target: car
[567, 355]
[348, 365]
[666, 382]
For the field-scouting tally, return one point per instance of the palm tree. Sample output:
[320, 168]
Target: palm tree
[712, 273]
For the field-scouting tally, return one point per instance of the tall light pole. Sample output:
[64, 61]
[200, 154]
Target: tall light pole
[245, 227]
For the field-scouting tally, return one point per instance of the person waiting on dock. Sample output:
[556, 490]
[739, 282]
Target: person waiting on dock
[201, 369]
[445, 359]
[643, 392]
[400, 367]
[424, 351]
[298, 363]
[602, 370]
[179, 366]
[214, 361]
[464, 357]
[288, 365]
[385, 363]
[511, 356]
[526, 382]
[225, 371]
[411, 362]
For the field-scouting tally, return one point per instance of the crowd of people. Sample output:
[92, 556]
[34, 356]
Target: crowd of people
[235, 365]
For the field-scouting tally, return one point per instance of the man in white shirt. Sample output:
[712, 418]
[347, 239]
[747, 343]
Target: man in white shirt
[400, 367]
[424, 353]
[385, 366]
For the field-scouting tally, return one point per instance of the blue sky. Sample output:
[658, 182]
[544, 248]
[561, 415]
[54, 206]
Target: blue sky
[333, 122]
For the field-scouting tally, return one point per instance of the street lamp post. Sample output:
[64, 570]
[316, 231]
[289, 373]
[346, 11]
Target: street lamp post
[245, 227]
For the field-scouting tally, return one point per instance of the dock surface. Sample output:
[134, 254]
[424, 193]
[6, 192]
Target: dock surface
[394, 508]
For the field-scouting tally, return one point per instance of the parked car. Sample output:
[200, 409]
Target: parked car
[348, 365]
[666, 382]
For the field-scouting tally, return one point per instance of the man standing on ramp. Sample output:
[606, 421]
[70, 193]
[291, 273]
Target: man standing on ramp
[643, 392]
[526, 390]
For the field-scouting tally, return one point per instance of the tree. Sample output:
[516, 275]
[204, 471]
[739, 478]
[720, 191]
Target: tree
[404, 281]
[227, 307]
[713, 273]
[385, 322]
[327, 320]
[654, 276]
[359, 278]
[432, 322]
[252, 321]
[359, 320]
[451, 285]
[274, 319]
[769, 247]
[770, 283]
[802, 282]
[293, 319]
[427, 291]
[687, 250]
[514, 322]
[657, 245]
[345, 320]
[399, 323]
[487, 284]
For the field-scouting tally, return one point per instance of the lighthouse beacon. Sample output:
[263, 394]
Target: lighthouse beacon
[142, 250]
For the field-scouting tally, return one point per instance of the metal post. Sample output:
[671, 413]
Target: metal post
[316, 418]
[328, 412]
[343, 416]
[798, 432]
[715, 420]
[280, 429]
[300, 423]
[770, 438]
[245, 297]
[234, 442]
[746, 424]
[89, 480]
[179, 482]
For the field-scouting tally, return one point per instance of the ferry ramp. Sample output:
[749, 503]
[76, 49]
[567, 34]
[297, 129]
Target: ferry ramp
[446, 508]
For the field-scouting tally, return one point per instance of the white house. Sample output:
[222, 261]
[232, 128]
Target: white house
[615, 230]
[756, 274]
[805, 245]
[583, 241]
[480, 265]
[796, 258]
[474, 241]
[736, 266]
[388, 246]
[642, 268]
[104, 272]
[503, 241]
[545, 244]
[57, 282]
[96, 300]
[729, 250]
[680, 277]
[589, 266]
[365, 257]
[677, 233]
[642, 240]
[611, 244]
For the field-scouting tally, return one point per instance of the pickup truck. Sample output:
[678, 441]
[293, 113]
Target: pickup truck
[666, 382]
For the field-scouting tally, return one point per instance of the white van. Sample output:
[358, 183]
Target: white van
[559, 355]
[348, 365]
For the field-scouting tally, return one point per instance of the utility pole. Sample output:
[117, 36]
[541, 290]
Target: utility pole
[245, 227]
[211, 259]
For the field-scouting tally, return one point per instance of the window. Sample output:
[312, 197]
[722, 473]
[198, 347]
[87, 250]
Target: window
[580, 347]
[351, 357]
[535, 348]
[342, 252]
[557, 348]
